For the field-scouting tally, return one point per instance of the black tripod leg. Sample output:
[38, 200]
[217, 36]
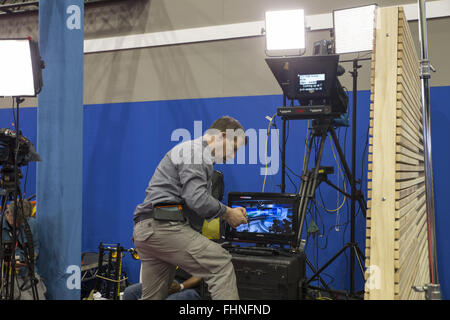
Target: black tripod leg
[313, 187]
[314, 270]
[356, 250]
[360, 256]
[362, 204]
[309, 188]
[328, 263]
[306, 180]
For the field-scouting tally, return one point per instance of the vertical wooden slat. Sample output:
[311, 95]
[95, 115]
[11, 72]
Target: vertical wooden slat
[396, 230]
[384, 154]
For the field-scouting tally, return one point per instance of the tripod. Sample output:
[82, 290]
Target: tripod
[309, 188]
[10, 191]
[310, 182]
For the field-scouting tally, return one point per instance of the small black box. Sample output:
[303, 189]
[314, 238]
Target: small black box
[269, 277]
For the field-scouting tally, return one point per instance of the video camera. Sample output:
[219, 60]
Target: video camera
[8, 154]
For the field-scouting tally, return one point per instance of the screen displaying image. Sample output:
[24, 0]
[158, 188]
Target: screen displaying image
[266, 217]
[311, 83]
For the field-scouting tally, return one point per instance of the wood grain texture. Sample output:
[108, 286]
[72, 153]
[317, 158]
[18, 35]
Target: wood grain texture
[396, 234]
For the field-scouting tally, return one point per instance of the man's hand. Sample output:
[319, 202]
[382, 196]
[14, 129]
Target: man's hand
[235, 216]
[174, 288]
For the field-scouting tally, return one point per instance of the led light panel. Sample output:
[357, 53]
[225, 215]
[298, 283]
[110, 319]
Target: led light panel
[16, 71]
[285, 30]
[354, 28]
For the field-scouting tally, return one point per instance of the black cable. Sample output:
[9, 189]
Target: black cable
[279, 148]
[293, 172]
[328, 232]
[25, 182]
[320, 217]
[289, 177]
[323, 203]
[287, 131]
[14, 115]
[28, 250]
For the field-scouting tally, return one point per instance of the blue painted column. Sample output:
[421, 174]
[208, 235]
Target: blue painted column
[59, 143]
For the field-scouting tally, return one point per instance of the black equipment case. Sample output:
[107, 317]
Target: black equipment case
[274, 276]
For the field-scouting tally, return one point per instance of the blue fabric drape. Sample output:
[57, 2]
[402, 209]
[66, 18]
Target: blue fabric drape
[59, 143]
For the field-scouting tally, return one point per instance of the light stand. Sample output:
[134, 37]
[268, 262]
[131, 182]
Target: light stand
[432, 290]
[356, 195]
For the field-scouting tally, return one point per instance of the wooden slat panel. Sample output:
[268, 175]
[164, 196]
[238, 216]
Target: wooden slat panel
[413, 131]
[396, 237]
[401, 141]
[405, 159]
[409, 183]
[406, 192]
[410, 267]
[413, 115]
[406, 167]
[411, 154]
[411, 138]
[401, 203]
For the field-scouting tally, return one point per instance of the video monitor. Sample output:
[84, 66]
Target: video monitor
[271, 218]
[311, 83]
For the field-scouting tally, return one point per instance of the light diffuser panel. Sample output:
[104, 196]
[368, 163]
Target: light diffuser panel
[354, 28]
[16, 71]
[285, 30]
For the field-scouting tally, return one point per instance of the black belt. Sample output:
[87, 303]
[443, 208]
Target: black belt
[163, 213]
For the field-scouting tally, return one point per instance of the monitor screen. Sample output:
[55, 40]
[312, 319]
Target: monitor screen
[311, 83]
[271, 218]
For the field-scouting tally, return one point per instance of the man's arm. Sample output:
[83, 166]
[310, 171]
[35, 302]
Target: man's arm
[195, 191]
[195, 194]
[190, 283]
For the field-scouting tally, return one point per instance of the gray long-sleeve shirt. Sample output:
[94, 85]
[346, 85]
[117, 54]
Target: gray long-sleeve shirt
[184, 176]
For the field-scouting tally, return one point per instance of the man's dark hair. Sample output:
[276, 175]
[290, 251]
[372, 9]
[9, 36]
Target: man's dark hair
[227, 123]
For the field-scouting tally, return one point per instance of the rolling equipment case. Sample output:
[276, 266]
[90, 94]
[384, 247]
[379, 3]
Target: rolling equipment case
[269, 275]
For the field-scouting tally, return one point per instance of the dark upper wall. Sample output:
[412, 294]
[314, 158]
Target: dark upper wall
[199, 70]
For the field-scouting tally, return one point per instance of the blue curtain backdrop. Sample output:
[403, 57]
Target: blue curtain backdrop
[59, 142]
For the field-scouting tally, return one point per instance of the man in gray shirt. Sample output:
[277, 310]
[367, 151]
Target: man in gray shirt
[178, 199]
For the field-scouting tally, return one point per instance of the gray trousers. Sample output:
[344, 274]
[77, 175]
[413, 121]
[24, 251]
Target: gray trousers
[164, 245]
